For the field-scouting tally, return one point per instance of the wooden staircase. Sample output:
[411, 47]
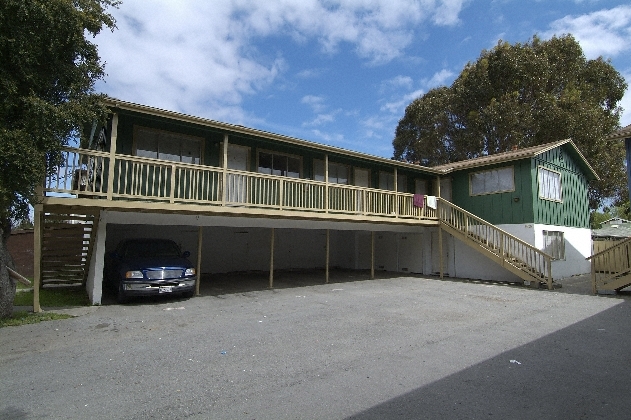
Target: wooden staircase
[67, 243]
[517, 256]
[611, 268]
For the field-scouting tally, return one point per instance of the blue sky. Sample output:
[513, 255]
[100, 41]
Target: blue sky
[333, 71]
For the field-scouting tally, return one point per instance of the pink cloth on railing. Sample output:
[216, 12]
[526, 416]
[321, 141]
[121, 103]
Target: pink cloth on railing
[419, 200]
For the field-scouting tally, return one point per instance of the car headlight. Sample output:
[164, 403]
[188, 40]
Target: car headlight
[133, 275]
[189, 272]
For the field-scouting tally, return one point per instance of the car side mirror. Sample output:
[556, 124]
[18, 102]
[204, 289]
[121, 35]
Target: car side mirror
[186, 254]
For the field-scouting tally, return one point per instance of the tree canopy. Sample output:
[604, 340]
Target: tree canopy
[522, 95]
[47, 74]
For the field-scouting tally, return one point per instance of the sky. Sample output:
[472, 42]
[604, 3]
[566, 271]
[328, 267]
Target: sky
[336, 72]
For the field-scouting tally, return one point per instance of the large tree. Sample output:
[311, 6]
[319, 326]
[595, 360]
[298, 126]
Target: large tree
[518, 96]
[48, 69]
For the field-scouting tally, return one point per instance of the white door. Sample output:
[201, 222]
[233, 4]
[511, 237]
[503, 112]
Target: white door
[410, 252]
[237, 184]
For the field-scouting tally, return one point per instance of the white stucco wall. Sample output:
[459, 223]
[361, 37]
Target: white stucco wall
[578, 246]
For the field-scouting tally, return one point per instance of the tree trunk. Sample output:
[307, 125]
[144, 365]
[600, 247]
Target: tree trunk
[7, 284]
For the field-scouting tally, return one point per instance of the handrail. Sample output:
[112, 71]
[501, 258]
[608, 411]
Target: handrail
[610, 264]
[510, 248]
[84, 173]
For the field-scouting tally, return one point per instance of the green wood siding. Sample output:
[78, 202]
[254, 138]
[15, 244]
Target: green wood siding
[512, 207]
[573, 210]
[524, 205]
[212, 151]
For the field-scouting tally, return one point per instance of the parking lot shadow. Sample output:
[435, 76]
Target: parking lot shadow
[579, 372]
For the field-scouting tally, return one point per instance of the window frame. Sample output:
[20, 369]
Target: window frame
[368, 176]
[539, 184]
[471, 174]
[199, 140]
[348, 172]
[549, 239]
[272, 152]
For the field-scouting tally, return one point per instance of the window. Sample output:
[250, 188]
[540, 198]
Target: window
[554, 244]
[549, 184]
[420, 186]
[166, 145]
[386, 182]
[492, 181]
[279, 164]
[338, 173]
[361, 177]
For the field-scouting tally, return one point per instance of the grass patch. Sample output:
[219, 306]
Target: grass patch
[54, 297]
[24, 317]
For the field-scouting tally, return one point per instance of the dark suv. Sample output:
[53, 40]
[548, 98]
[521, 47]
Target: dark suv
[143, 267]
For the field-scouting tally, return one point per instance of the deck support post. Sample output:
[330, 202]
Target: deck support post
[198, 269]
[440, 246]
[271, 261]
[328, 248]
[112, 165]
[372, 255]
[38, 230]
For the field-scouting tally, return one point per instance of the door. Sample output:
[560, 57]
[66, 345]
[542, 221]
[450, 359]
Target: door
[237, 185]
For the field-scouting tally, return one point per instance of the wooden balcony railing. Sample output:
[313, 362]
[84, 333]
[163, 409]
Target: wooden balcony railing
[611, 267]
[84, 173]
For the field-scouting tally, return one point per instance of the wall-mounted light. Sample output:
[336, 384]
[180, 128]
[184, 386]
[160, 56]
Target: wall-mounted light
[516, 199]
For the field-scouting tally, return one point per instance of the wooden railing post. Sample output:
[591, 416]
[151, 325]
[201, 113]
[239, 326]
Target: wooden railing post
[396, 193]
[111, 166]
[172, 189]
[593, 263]
[225, 170]
[326, 183]
[281, 192]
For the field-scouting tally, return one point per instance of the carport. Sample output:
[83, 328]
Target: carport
[228, 244]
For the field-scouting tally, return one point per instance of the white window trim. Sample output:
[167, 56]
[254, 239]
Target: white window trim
[539, 168]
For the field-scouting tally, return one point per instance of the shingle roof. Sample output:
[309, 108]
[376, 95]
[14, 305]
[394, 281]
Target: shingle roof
[623, 133]
[525, 153]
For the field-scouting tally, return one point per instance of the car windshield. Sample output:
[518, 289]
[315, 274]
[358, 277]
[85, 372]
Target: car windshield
[151, 249]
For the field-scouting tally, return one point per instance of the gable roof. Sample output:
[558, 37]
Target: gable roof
[623, 133]
[525, 153]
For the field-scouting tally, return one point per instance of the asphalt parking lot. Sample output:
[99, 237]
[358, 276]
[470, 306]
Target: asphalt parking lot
[394, 347]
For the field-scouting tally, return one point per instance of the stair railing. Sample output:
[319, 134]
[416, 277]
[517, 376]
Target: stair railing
[512, 250]
[611, 263]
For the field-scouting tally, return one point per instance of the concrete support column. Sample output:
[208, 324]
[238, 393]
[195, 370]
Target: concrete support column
[94, 284]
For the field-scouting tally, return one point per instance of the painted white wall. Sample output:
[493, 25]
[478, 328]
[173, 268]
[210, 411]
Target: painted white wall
[578, 246]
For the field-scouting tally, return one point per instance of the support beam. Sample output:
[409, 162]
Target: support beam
[37, 254]
[198, 269]
[271, 261]
[396, 193]
[440, 246]
[372, 255]
[112, 163]
[328, 248]
[94, 283]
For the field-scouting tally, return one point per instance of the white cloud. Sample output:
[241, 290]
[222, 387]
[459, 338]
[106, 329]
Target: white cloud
[201, 57]
[625, 103]
[438, 79]
[397, 82]
[315, 102]
[605, 32]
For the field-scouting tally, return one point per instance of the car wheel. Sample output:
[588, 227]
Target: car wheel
[121, 297]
